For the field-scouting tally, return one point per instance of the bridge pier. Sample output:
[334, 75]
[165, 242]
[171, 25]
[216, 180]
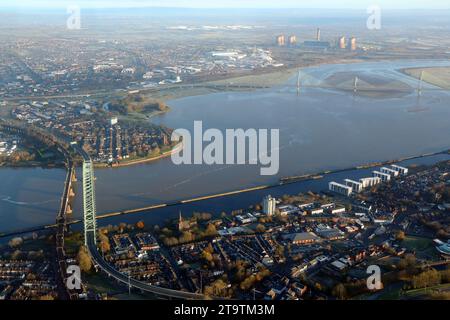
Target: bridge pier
[355, 85]
[71, 192]
[420, 84]
[74, 176]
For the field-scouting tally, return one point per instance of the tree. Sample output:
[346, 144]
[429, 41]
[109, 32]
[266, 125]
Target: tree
[260, 228]
[186, 237]
[171, 241]
[15, 242]
[210, 230]
[241, 270]
[140, 225]
[426, 279]
[280, 251]
[248, 283]
[122, 227]
[17, 255]
[155, 152]
[253, 279]
[409, 261]
[84, 259]
[217, 289]
[207, 256]
[400, 236]
[105, 245]
[339, 291]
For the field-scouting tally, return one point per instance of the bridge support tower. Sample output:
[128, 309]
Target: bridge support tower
[90, 223]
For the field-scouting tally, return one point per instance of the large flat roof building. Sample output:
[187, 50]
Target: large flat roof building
[302, 238]
[341, 43]
[281, 40]
[317, 44]
[352, 44]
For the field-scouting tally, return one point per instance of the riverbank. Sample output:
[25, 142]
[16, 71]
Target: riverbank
[439, 77]
[177, 148]
[353, 140]
[317, 182]
[283, 181]
[237, 83]
[32, 164]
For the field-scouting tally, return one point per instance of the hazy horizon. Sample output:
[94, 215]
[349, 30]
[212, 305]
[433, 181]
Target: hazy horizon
[254, 4]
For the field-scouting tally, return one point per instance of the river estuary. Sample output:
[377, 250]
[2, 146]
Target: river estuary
[321, 129]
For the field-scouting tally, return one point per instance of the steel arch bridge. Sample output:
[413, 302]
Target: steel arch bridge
[90, 223]
[90, 230]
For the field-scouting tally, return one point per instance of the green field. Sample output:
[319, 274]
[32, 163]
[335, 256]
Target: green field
[423, 247]
[426, 292]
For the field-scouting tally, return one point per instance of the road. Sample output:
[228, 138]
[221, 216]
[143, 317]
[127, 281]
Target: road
[226, 87]
[123, 278]
[98, 260]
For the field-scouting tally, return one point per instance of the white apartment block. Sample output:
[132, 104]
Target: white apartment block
[340, 188]
[383, 176]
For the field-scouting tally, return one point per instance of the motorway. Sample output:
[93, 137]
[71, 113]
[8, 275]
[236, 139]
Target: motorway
[233, 86]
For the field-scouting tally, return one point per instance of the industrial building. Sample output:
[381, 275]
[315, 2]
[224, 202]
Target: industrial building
[281, 40]
[246, 218]
[317, 44]
[292, 40]
[340, 188]
[341, 43]
[330, 233]
[301, 238]
[383, 176]
[352, 44]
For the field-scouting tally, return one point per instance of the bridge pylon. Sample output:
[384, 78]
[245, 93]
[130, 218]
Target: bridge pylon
[90, 222]
[420, 84]
[298, 83]
[355, 85]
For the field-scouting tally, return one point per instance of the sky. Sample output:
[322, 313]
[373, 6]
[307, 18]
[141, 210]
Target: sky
[317, 4]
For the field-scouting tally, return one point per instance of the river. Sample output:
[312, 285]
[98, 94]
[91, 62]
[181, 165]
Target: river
[321, 129]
